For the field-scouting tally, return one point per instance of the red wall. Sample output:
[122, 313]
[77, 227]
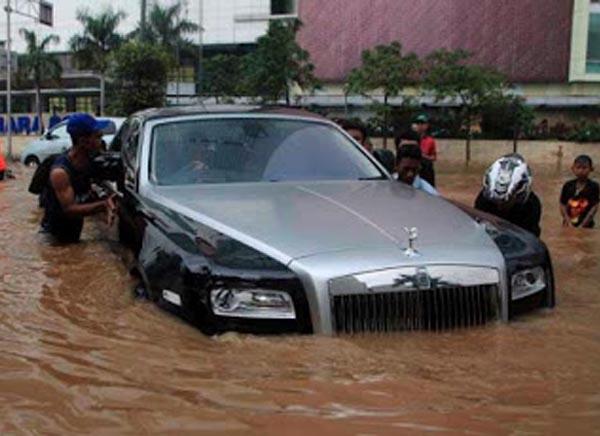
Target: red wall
[529, 40]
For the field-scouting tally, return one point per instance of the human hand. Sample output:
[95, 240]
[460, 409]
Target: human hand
[111, 209]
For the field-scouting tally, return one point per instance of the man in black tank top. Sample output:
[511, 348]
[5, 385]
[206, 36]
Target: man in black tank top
[66, 199]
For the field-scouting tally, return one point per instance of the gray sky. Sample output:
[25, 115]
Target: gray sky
[66, 24]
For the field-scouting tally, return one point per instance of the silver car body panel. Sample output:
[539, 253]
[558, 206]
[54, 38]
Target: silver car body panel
[328, 231]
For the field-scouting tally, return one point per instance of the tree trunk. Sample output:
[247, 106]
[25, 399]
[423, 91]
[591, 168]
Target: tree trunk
[345, 104]
[287, 94]
[38, 107]
[515, 137]
[385, 120]
[468, 144]
[102, 93]
[468, 150]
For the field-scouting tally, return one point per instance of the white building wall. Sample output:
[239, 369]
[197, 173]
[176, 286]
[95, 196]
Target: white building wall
[234, 21]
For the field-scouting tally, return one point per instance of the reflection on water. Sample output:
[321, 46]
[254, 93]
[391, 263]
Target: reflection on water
[79, 353]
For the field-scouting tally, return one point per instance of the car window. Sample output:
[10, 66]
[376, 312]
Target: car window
[60, 131]
[120, 137]
[131, 142]
[254, 150]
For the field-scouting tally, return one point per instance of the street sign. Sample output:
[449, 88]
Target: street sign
[46, 10]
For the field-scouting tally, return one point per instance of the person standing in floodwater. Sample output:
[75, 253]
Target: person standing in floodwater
[3, 167]
[66, 197]
[358, 131]
[507, 193]
[428, 148]
[579, 197]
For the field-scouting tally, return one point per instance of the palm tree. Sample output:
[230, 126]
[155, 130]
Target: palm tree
[38, 65]
[165, 27]
[93, 47]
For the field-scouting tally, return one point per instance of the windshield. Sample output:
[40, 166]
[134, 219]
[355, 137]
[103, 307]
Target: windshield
[254, 150]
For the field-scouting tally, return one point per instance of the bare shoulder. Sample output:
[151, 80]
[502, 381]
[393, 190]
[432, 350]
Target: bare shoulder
[59, 178]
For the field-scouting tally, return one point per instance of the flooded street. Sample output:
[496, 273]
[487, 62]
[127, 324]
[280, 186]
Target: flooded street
[80, 354]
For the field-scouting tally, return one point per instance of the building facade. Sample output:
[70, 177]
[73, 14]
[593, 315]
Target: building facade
[549, 49]
[231, 26]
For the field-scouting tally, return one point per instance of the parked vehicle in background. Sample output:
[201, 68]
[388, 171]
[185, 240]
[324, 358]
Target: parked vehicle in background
[276, 220]
[56, 140]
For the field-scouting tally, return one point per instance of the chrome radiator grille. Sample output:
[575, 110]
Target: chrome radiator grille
[431, 309]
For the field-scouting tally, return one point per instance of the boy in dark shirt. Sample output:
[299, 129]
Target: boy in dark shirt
[579, 197]
[507, 194]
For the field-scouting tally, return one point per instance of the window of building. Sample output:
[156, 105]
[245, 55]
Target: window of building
[283, 7]
[185, 74]
[22, 105]
[86, 104]
[593, 46]
[58, 104]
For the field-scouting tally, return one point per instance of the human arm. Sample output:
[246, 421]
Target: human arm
[590, 216]
[65, 195]
[481, 203]
[531, 220]
[564, 211]
[566, 222]
[594, 200]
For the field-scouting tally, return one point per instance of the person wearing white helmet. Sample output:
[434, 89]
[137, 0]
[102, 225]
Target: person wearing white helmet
[507, 193]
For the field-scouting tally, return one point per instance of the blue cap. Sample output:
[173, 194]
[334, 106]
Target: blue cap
[82, 124]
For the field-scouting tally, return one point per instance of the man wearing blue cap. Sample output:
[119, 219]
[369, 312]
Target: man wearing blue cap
[66, 199]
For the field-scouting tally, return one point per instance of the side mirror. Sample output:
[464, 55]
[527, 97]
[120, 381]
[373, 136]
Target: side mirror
[49, 136]
[107, 166]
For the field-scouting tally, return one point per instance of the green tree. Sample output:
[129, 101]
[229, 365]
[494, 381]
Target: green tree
[387, 70]
[278, 63]
[38, 65]
[92, 49]
[449, 77]
[506, 116]
[140, 77]
[168, 29]
[222, 76]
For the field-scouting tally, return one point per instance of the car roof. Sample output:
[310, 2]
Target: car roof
[175, 111]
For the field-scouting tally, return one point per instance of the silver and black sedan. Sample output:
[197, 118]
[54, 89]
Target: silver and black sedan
[275, 220]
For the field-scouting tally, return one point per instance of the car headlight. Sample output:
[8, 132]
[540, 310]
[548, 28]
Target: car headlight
[528, 282]
[252, 303]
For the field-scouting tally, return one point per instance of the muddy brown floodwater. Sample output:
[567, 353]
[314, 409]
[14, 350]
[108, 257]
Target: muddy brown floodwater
[79, 354]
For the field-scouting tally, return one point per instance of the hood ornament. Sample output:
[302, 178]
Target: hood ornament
[413, 234]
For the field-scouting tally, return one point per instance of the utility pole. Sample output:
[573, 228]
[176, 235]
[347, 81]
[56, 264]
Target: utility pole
[8, 82]
[200, 45]
[143, 21]
[39, 10]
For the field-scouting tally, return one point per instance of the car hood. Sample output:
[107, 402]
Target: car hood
[297, 220]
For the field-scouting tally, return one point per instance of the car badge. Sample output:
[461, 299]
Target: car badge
[413, 234]
[422, 278]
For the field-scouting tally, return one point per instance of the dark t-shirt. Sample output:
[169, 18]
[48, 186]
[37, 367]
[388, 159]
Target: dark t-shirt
[526, 215]
[64, 228]
[579, 203]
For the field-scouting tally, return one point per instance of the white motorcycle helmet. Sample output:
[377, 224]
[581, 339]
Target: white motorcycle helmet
[508, 180]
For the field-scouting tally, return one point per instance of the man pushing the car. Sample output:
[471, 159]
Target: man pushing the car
[67, 196]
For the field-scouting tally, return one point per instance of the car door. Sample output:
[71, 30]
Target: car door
[130, 223]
